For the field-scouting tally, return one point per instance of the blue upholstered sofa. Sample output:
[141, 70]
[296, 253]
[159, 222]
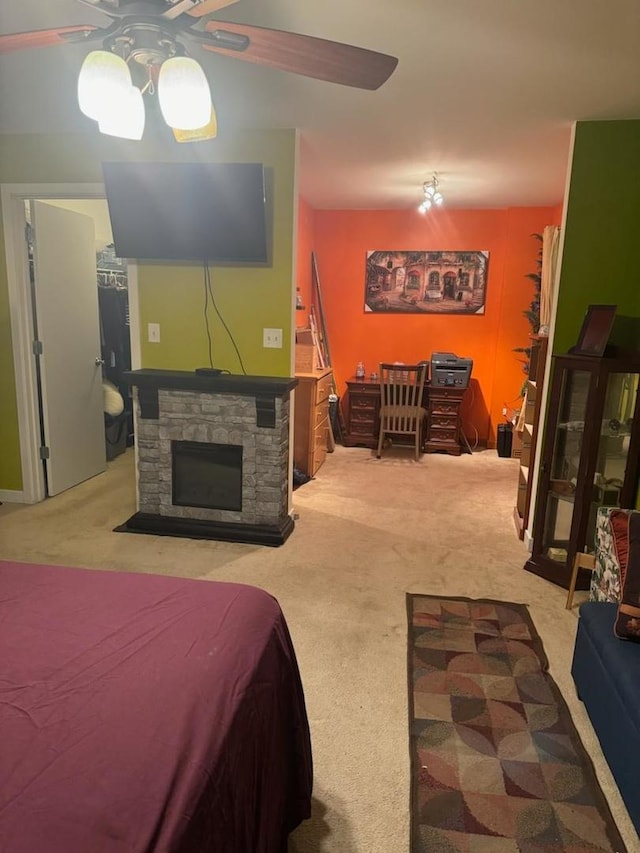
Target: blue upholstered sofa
[606, 669]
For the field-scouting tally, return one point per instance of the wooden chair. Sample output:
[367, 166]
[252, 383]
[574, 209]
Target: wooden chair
[401, 410]
[581, 561]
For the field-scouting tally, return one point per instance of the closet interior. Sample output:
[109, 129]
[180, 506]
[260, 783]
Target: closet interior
[115, 342]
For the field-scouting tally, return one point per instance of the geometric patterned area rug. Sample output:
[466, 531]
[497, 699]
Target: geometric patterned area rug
[497, 765]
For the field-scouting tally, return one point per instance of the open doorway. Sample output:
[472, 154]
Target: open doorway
[21, 303]
[114, 323]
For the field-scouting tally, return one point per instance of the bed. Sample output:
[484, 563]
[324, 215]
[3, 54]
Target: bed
[147, 713]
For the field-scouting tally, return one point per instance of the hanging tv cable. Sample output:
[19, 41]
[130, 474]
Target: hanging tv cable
[209, 295]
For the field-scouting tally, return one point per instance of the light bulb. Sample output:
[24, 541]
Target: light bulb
[126, 118]
[104, 78]
[183, 93]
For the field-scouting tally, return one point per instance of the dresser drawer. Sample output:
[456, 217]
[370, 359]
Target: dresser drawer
[363, 404]
[323, 388]
[441, 393]
[441, 420]
[364, 390]
[319, 449]
[359, 416]
[317, 458]
[444, 436]
[363, 428]
[442, 407]
[321, 412]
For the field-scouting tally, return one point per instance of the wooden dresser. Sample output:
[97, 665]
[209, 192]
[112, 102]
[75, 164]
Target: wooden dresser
[311, 419]
[444, 422]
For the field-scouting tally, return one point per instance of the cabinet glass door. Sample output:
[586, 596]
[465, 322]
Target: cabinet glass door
[565, 462]
[612, 442]
[615, 438]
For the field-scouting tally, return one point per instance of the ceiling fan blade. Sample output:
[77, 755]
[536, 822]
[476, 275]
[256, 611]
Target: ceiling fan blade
[300, 54]
[44, 38]
[209, 6]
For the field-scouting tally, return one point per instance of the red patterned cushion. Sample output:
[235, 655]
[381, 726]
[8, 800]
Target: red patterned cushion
[619, 521]
[626, 528]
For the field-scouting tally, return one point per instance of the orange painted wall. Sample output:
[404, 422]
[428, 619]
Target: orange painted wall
[305, 238]
[342, 238]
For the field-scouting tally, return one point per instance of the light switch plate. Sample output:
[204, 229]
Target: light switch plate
[153, 333]
[272, 338]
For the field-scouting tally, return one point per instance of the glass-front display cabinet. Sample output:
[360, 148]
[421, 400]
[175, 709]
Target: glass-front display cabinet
[590, 458]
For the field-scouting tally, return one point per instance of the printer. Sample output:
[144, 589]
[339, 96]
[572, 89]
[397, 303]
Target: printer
[450, 369]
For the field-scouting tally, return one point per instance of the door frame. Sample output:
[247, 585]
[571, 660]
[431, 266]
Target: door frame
[12, 197]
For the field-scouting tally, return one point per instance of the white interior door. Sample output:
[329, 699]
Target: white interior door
[66, 308]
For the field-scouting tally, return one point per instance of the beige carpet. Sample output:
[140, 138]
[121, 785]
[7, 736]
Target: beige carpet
[367, 531]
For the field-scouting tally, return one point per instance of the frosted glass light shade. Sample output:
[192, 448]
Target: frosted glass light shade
[125, 118]
[103, 78]
[207, 131]
[183, 93]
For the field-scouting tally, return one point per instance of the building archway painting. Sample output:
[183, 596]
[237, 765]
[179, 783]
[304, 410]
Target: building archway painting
[426, 282]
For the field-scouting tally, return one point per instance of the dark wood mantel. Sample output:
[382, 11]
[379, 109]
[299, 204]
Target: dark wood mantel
[265, 389]
[224, 383]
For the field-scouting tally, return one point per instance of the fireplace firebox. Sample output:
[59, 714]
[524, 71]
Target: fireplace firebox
[206, 475]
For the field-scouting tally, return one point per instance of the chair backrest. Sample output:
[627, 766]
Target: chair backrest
[401, 385]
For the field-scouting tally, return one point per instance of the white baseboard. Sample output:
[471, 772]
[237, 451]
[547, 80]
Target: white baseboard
[8, 496]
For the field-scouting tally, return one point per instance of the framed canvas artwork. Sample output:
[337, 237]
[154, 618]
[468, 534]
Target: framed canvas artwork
[426, 282]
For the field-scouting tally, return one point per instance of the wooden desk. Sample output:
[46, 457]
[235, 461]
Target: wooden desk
[443, 433]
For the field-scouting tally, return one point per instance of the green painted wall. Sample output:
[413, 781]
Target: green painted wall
[600, 254]
[10, 471]
[172, 294]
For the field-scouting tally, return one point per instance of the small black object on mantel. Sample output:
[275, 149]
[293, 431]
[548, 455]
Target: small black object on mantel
[208, 371]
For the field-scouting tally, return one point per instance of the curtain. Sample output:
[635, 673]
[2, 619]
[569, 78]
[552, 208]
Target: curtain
[550, 242]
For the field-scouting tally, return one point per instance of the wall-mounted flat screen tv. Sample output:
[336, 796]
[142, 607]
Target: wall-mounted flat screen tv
[206, 212]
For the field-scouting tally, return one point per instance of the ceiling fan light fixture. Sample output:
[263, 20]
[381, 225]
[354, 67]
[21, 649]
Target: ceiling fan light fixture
[184, 94]
[104, 78]
[125, 118]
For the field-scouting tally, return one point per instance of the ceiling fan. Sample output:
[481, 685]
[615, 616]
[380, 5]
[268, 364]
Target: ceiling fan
[147, 32]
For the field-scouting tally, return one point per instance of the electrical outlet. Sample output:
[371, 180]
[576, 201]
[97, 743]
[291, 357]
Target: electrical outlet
[272, 338]
[153, 333]
[504, 411]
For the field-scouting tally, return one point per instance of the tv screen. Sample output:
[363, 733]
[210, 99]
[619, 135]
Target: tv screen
[207, 212]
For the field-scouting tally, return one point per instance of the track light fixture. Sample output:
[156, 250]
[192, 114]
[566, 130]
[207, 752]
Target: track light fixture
[432, 195]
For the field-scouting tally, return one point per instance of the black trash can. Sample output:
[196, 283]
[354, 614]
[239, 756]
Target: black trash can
[115, 432]
[505, 439]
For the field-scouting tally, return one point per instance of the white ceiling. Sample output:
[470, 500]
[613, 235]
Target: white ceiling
[484, 94]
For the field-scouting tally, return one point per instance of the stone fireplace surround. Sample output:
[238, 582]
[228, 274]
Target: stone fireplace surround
[252, 412]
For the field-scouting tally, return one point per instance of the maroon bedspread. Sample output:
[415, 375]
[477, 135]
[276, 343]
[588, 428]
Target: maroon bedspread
[146, 713]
